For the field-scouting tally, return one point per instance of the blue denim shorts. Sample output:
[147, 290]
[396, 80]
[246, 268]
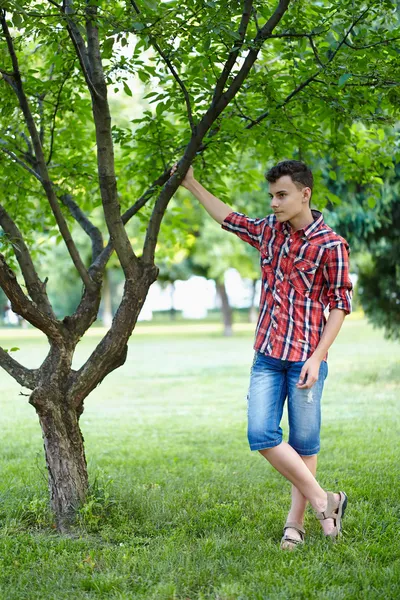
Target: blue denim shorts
[272, 381]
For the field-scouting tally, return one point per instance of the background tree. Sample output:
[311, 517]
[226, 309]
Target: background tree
[268, 78]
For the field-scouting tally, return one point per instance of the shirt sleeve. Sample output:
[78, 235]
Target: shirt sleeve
[338, 280]
[248, 230]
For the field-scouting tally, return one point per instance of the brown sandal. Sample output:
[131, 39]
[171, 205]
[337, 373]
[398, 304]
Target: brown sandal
[288, 542]
[334, 510]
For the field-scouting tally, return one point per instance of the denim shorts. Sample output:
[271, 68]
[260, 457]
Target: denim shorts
[272, 381]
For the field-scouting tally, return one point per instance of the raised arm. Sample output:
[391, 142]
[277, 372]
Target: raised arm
[217, 209]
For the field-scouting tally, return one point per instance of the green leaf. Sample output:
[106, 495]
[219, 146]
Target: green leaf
[127, 89]
[343, 78]
[107, 47]
[17, 20]
[14, 349]
[371, 201]
[137, 26]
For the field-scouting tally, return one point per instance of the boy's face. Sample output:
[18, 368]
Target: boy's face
[287, 200]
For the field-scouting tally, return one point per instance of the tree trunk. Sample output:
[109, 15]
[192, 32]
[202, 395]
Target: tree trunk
[225, 308]
[65, 458]
[252, 309]
[172, 311]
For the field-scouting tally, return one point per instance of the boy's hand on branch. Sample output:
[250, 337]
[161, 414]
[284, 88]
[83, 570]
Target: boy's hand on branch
[189, 177]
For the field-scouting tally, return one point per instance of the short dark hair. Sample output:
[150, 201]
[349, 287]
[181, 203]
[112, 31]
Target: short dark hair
[299, 172]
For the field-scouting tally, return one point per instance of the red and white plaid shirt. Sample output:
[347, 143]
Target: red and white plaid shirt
[303, 272]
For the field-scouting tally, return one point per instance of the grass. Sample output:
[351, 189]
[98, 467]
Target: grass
[179, 508]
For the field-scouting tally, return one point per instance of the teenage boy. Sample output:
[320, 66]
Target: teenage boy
[305, 268]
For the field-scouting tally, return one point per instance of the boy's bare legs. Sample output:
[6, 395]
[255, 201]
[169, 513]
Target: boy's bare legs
[299, 502]
[293, 467]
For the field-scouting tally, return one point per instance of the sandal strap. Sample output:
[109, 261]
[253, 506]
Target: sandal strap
[331, 510]
[296, 526]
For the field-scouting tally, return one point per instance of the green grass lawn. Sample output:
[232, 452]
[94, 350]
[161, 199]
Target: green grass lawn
[179, 506]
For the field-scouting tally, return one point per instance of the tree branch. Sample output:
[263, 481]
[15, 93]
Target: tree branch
[105, 151]
[312, 77]
[172, 70]
[42, 167]
[25, 377]
[36, 288]
[78, 43]
[20, 162]
[21, 305]
[234, 53]
[380, 43]
[92, 231]
[206, 122]
[102, 259]
[53, 119]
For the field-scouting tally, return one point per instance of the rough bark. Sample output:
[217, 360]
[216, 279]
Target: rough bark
[225, 308]
[65, 456]
[111, 351]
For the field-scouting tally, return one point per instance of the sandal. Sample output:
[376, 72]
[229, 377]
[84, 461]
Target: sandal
[334, 510]
[288, 542]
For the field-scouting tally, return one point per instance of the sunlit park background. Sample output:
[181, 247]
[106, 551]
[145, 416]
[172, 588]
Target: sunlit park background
[138, 329]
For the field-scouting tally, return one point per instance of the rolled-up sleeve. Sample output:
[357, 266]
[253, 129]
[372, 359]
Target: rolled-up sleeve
[338, 280]
[248, 230]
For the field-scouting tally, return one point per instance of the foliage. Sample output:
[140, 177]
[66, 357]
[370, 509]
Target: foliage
[371, 225]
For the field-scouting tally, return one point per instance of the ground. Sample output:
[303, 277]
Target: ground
[179, 506]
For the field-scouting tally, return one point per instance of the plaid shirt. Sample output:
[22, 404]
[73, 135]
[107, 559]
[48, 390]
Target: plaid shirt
[303, 272]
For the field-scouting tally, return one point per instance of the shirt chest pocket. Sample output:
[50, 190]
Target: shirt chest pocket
[302, 275]
[267, 269]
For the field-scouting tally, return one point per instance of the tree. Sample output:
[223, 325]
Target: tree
[371, 223]
[222, 74]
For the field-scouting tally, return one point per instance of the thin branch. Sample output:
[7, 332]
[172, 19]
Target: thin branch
[36, 288]
[173, 72]
[294, 34]
[25, 377]
[234, 53]
[16, 159]
[53, 119]
[315, 51]
[380, 43]
[42, 167]
[78, 42]
[103, 258]
[312, 78]
[92, 231]
[21, 304]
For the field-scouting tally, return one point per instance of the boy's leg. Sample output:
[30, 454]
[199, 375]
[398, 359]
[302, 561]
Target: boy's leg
[304, 423]
[286, 460]
[265, 401]
[299, 502]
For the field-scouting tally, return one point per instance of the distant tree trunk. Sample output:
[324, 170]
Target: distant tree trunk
[107, 315]
[225, 308]
[253, 309]
[172, 312]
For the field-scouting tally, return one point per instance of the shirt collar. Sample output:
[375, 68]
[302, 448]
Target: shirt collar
[309, 230]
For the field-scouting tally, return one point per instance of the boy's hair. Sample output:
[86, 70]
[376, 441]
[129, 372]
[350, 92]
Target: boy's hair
[298, 171]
